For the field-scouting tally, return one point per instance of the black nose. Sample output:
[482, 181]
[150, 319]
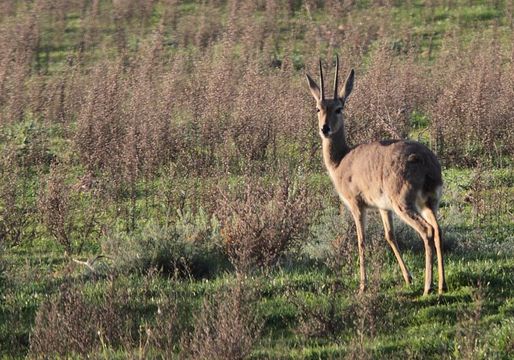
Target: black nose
[325, 129]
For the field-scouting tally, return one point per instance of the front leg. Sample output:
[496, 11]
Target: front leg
[359, 216]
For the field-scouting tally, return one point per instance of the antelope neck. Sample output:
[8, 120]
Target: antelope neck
[334, 149]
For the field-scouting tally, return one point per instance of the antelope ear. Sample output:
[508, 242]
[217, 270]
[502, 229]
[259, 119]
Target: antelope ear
[313, 87]
[348, 86]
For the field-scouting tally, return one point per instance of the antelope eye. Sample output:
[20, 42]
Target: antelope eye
[317, 109]
[338, 110]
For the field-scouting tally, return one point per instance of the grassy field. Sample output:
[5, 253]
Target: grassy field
[163, 195]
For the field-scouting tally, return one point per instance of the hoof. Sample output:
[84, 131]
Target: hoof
[408, 281]
[442, 290]
[428, 291]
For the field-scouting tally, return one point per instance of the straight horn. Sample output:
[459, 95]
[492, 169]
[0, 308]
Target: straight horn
[321, 80]
[336, 76]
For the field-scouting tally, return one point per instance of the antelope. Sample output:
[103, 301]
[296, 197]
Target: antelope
[400, 176]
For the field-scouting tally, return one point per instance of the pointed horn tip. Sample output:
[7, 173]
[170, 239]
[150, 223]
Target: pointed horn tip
[336, 75]
[322, 91]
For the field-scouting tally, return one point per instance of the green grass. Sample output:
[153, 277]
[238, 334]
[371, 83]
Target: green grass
[479, 274]
[479, 267]
[400, 322]
[406, 322]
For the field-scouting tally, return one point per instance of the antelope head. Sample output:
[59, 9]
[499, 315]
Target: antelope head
[330, 111]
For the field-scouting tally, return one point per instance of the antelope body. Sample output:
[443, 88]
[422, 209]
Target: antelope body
[397, 176]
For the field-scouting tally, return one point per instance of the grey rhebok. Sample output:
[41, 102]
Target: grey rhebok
[399, 176]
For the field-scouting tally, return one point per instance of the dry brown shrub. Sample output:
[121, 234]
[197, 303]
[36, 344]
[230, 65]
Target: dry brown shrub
[60, 98]
[16, 205]
[7, 8]
[71, 324]
[227, 326]
[133, 9]
[209, 27]
[91, 30]
[326, 320]
[472, 117]
[99, 134]
[19, 44]
[384, 97]
[170, 323]
[203, 108]
[262, 222]
[252, 128]
[54, 205]
[123, 128]
[147, 140]
[171, 14]
[200, 29]
[69, 212]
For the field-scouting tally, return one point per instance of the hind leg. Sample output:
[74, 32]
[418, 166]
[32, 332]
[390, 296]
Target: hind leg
[425, 230]
[387, 220]
[429, 215]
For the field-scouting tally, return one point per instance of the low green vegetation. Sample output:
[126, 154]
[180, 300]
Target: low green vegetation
[162, 193]
[308, 307]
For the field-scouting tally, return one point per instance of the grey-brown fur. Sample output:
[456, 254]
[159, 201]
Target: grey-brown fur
[397, 176]
[391, 166]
